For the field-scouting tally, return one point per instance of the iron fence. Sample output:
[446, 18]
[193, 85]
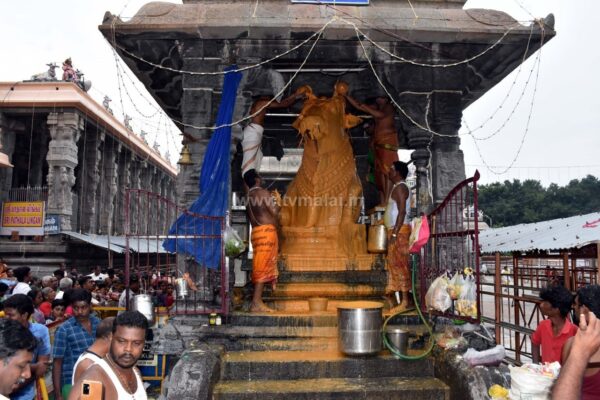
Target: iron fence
[195, 289]
[453, 246]
[31, 193]
[509, 291]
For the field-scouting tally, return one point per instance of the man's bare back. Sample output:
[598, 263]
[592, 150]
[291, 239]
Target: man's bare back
[262, 208]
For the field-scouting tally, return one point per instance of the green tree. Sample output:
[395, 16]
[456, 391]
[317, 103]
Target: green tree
[516, 202]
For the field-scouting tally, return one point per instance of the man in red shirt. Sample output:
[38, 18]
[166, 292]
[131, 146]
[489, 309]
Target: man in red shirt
[552, 333]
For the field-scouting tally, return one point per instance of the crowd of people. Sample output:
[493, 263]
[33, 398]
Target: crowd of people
[560, 337]
[106, 288]
[87, 355]
[84, 347]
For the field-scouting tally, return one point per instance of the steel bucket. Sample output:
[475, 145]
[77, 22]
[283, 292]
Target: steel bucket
[377, 239]
[398, 338]
[143, 303]
[359, 327]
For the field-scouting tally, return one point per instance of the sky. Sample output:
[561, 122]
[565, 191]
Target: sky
[559, 143]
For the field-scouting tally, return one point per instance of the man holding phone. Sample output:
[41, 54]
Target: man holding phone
[115, 376]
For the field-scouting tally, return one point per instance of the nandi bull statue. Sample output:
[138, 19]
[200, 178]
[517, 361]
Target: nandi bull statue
[321, 207]
[46, 76]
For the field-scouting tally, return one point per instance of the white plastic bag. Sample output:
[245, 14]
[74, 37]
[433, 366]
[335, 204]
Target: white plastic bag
[437, 297]
[234, 245]
[466, 305]
[493, 356]
[528, 384]
[455, 286]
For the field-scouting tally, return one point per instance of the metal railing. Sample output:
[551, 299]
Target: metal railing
[453, 245]
[509, 291]
[32, 193]
[196, 289]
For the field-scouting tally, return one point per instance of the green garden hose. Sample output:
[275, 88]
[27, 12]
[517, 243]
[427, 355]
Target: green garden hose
[388, 343]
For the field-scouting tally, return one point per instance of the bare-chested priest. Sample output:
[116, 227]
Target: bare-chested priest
[385, 141]
[263, 213]
[253, 132]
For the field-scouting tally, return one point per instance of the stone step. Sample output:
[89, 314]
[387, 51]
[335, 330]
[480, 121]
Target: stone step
[376, 277]
[334, 388]
[327, 289]
[323, 262]
[282, 365]
[300, 304]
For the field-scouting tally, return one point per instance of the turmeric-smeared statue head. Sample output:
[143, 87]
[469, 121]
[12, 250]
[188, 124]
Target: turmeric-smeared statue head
[306, 90]
[341, 88]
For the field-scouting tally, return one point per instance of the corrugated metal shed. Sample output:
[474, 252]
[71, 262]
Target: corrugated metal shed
[117, 243]
[556, 234]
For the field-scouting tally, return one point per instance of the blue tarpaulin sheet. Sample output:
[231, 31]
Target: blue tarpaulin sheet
[214, 189]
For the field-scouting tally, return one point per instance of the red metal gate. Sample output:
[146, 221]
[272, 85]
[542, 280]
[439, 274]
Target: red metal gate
[174, 280]
[453, 245]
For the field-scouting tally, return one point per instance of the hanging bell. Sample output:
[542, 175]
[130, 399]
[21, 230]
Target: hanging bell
[186, 156]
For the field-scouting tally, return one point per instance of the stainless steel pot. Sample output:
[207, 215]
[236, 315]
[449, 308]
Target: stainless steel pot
[359, 327]
[377, 239]
[398, 337]
[143, 304]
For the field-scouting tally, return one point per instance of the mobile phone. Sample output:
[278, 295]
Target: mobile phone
[92, 390]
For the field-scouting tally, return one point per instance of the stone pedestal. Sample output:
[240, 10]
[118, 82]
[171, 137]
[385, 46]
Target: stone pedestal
[65, 129]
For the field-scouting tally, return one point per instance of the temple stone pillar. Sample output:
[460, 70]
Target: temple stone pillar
[38, 153]
[419, 140]
[164, 204]
[124, 183]
[91, 174]
[65, 129]
[134, 209]
[109, 188]
[8, 130]
[448, 161]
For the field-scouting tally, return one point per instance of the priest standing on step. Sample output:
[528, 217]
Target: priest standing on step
[384, 141]
[396, 219]
[253, 132]
[263, 214]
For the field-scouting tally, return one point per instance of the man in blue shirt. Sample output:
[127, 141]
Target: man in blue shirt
[19, 308]
[70, 340]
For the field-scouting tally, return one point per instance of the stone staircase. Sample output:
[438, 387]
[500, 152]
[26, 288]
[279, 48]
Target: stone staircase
[296, 357]
[294, 289]
[292, 375]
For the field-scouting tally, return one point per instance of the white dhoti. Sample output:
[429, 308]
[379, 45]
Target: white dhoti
[251, 144]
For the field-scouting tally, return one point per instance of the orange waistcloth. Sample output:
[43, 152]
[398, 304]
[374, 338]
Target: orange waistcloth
[384, 159]
[265, 246]
[398, 262]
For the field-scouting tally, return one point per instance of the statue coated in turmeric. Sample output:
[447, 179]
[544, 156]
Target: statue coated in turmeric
[321, 207]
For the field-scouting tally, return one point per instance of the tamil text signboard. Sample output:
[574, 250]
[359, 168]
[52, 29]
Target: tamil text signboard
[52, 224]
[25, 217]
[334, 2]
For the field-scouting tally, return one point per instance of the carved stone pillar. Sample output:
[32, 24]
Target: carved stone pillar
[134, 209]
[447, 159]
[8, 130]
[419, 139]
[145, 203]
[123, 184]
[65, 129]
[90, 176]
[109, 187]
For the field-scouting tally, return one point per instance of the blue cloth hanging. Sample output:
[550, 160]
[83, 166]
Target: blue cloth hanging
[214, 188]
